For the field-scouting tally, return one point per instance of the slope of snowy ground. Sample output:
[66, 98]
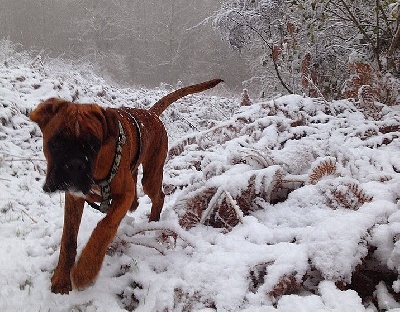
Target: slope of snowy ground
[288, 205]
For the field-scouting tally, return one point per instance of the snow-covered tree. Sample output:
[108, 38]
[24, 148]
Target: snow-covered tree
[260, 26]
[133, 41]
[309, 44]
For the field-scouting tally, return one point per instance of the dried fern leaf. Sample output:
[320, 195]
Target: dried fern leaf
[178, 148]
[323, 167]
[288, 284]
[347, 195]
[252, 157]
[367, 102]
[193, 205]
[223, 211]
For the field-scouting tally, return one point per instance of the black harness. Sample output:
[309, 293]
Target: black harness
[105, 184]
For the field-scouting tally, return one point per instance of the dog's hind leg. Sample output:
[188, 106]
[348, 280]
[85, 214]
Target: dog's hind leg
[152, 184]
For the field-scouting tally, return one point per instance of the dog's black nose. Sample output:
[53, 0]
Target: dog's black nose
[75, 165]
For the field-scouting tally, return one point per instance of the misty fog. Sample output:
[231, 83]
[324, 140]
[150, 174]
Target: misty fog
[142, 43]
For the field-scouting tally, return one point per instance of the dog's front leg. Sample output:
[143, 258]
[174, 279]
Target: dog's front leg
[88, 266]
[61, 281]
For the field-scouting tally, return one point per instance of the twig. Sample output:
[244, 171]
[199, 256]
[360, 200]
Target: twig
[310, 81]
[18, 158]
[147, 243]
[266, 42]
[23, 159]
[163, 226]
[25, 213]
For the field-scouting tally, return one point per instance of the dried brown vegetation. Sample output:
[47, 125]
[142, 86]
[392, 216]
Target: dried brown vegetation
[252, 163]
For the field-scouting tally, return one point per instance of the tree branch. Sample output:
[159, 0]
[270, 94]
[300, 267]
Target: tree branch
[259, 34]
[278, 74]
[394, 45]
[363, 32]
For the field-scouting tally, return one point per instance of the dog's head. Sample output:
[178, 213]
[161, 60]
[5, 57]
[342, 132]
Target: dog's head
[72, 138]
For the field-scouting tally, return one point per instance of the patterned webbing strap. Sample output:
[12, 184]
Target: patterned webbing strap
[139, 137]
[105, 185]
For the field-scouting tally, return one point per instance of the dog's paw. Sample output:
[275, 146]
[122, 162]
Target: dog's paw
[82, 276]
[60, 284]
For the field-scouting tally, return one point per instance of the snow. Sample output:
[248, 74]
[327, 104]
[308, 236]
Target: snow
[313, 188]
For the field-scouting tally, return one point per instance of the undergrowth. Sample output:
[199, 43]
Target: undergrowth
[242, 166]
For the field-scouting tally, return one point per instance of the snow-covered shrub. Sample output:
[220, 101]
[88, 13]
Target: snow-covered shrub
[291, 154]
[369, 85]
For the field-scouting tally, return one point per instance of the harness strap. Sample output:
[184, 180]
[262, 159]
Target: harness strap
[105, 184]
[139, 140]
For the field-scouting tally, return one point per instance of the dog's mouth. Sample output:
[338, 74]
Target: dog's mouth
[83, 188]
[74, 176]
[70, 167]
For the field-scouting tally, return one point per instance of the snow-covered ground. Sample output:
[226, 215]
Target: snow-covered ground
[284, 205]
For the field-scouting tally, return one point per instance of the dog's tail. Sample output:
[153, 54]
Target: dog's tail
[163, 103]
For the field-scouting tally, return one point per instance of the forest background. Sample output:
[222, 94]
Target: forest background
[330, 49]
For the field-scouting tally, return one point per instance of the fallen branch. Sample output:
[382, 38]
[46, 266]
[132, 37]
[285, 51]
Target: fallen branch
[163, 226]
[145, 242]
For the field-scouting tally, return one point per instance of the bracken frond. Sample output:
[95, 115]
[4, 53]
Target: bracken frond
[178, 149]
[348, 196]
[288, 284]
[360, 194]
[324, 167]
[223, 213]
[194, 206]
[367, 102]
[253, 157]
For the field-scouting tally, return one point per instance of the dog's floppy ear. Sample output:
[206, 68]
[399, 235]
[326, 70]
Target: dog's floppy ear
[46, 110]
[111, 126]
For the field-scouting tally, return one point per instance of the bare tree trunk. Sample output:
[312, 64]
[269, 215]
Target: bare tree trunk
[394, 45]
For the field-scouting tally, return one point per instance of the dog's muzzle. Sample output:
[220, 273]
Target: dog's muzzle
[74, 175]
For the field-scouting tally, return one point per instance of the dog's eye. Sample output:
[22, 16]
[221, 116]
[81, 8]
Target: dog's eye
[95, 144]
[92, 145]
[55, 145]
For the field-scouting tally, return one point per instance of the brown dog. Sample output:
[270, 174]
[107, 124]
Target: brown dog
[93, 154]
